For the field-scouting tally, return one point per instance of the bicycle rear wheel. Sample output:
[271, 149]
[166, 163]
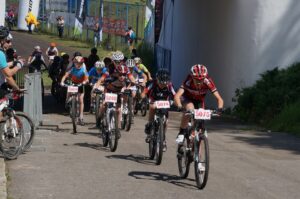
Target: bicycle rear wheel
[114, 131]
[97, 105]
[144, 107]
[73, 113]
[201, 162]
[29, 129]
[183, 158]
[12, 136]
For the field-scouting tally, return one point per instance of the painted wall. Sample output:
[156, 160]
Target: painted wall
[2, 13]
[237, 40]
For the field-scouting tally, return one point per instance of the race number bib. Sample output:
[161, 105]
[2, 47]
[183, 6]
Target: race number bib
[141, 80]
[51, 57]
[72, 89]
[162, 104]
[202, 114]
[111, 97]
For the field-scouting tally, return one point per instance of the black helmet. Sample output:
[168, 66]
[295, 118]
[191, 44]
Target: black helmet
[163, 76]
[4, 32]
[77, 54]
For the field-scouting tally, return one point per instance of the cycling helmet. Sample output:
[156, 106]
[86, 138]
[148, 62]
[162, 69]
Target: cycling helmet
[130, 63]
[37, 48]
[4, 32]
[9, 37]
[199, 71]
[138, 60]
[99, 64]
[52, 44]
[122, 69]
[117, 56]
[77, 54]
[78, 59]
[163, 76]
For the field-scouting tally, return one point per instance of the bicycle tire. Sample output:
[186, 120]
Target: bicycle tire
[159, 142]
[97, 105]
[103, 131]
[129, 115]
[11, 152]
[183, 159]
[73, 113]
[113, 134]
[202, 152]
[144, 107]
[152, 143]
[29, 129]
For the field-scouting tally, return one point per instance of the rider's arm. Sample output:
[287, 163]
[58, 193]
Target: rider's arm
[8, 74]
[131, 78]
[177, 97]
[101, 80]
[64, 77]
[219, 99]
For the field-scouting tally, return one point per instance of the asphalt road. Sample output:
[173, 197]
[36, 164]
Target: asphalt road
[244, 163]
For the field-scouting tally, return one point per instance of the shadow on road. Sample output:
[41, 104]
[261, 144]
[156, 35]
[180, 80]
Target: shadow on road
[276, 141]
[135, 158]
[172, 179]
[92, 146]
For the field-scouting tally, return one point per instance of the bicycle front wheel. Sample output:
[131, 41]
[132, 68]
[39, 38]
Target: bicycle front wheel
[159, 141]
[114, 131]
[129, 114]
[144, 107]
[183, 158]
[201, 162]
[28, 129]
[73, 113]
[12, 136]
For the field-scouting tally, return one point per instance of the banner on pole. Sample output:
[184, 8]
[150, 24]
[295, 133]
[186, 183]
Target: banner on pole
[79, 18]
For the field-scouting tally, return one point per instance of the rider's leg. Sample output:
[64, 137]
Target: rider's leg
[184, 123]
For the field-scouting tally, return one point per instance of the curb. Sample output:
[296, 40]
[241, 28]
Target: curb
[3, 179]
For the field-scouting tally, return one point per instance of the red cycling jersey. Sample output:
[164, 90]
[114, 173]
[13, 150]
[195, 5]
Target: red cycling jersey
[197, 92]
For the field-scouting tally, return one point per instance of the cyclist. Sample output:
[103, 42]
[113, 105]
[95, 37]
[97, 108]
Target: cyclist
[78, 75]
[117, 58]
[94, 74]
[7, 73]
[115, 84]
[160, 89]
[51, 52]
[36, 60]
[140, 66]
[192, 93]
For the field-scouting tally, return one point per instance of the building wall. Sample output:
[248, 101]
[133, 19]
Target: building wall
[237, 40]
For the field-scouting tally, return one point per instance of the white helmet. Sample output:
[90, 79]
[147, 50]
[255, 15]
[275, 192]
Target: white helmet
[130, 63]
[38, 48]
[117, 56]
[138, 60]
[99, 64]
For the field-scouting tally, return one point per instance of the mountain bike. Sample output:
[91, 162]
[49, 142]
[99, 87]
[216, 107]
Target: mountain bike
[16, 128]
[126, 108]
[73, 103]
[140, 103]
[158, 131]
[109, 122]
[97, 101]
[195, 147]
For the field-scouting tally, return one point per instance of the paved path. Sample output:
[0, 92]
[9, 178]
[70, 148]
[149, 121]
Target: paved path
[244, 164]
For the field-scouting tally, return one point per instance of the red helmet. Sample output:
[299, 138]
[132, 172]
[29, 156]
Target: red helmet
[122, 69]
[199, 71]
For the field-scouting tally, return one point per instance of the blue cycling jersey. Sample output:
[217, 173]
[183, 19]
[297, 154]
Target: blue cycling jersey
[3, 62]
[95, 75]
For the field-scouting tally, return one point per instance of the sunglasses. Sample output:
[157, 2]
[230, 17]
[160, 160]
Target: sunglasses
[122, 74]
[8, 41]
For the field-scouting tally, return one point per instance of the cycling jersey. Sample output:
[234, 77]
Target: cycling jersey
[3, 64]
[95, 75]
[156, 93]
[143, 68]
[78, 75]
[195, 92]
[52, 52]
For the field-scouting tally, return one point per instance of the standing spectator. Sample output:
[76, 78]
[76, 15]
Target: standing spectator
[96, 34]
[60, 26]
[93, 57]
[130, 35]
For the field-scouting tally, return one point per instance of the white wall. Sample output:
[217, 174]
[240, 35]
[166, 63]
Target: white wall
[2, 13]
[236, 39]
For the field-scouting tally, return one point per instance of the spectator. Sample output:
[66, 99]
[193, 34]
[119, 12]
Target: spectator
[60, 26]
[96, 34]
[130, 35]
[93, 57]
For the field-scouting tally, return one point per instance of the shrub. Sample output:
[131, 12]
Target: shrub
[146, 52]
[275, 90]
